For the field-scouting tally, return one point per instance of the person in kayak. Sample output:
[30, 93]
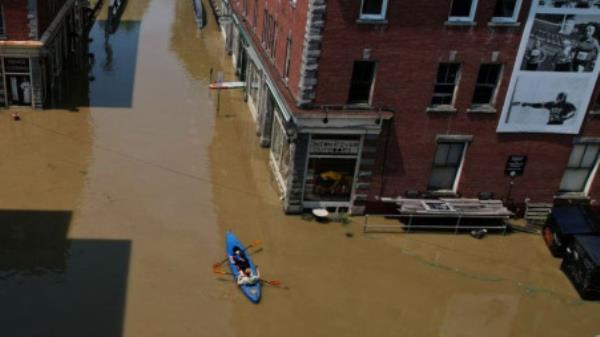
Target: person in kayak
[239, 259]
[246, 277]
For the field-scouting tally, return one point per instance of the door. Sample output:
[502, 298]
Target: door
[241, 61]
[19, 90]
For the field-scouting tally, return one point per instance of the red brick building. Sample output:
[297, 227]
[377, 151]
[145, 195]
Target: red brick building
[37, 37]
[382, 98]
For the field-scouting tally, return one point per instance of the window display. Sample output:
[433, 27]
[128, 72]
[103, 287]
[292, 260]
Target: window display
[331, 168]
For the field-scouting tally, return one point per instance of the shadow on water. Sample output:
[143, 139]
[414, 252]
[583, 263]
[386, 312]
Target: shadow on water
[54, 286]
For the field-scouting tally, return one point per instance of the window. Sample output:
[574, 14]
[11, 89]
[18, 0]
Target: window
[487, 81]
[331, 167]
[288, 57]
[582, 162]
[446, 164]
[361, 86]
[462, 10]
[2, 32]
[279, 146]
[373, 9]
[263, 36]
[506, 10]
[445, 85]
[269, 35]
[274, 40]
[255, 13]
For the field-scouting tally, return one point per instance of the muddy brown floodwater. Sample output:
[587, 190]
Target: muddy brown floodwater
[112, 214]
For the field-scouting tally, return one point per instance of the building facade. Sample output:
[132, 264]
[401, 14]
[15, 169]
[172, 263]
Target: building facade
[37, 37]
[364, 100]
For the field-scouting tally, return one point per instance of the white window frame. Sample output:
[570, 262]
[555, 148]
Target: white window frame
[380, 16]
[470, 18]
[506, 19]
[456, 84]
[496, 86]
[590, 177]
[459, 169]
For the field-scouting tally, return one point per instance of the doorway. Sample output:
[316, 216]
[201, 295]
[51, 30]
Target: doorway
[19, 89]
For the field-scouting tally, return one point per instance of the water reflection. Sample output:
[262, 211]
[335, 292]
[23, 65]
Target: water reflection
[114, 47]
[54, 286]
[115, 11]
[199, 13]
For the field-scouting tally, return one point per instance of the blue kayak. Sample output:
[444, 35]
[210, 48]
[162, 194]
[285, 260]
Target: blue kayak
[252, 292]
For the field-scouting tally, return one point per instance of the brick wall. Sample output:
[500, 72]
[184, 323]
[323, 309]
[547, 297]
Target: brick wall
[290, 20]
[408, 50]
[15, 19]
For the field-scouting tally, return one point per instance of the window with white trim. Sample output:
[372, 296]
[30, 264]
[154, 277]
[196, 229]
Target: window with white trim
[446, 165]
[445, 85]
[462, 10]
[487, 83]
[288, 57]
[373, 9]
[582, 162]
[506, 10]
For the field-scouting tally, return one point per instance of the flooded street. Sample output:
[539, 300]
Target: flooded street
[113, 213]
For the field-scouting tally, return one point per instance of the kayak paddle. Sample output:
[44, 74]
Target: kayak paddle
[274, 283]
[254, 243]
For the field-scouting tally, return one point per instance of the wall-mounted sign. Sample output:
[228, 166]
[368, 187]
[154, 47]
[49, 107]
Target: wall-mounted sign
[555, 70]
[515, 165]
[16, 65]
[334, 146]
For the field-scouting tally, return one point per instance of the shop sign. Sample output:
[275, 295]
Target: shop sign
[515, 165]
[16, 65]
[333, 146]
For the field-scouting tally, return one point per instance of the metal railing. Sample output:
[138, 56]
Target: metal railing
[457, 225]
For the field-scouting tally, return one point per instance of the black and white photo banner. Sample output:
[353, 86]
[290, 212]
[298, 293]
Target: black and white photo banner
[555, 70]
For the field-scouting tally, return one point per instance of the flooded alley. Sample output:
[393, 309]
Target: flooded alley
[113, 211]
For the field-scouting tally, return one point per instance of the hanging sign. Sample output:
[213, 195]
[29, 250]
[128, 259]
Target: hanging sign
[334, 146]
[515, 165]
[16, 65]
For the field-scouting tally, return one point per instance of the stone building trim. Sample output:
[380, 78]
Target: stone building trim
[315, 22]
[32, 19]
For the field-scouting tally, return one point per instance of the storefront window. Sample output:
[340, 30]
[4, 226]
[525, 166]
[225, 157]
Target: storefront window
[280, 150]
[18, 80]
[331, 167]
[254, 82]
